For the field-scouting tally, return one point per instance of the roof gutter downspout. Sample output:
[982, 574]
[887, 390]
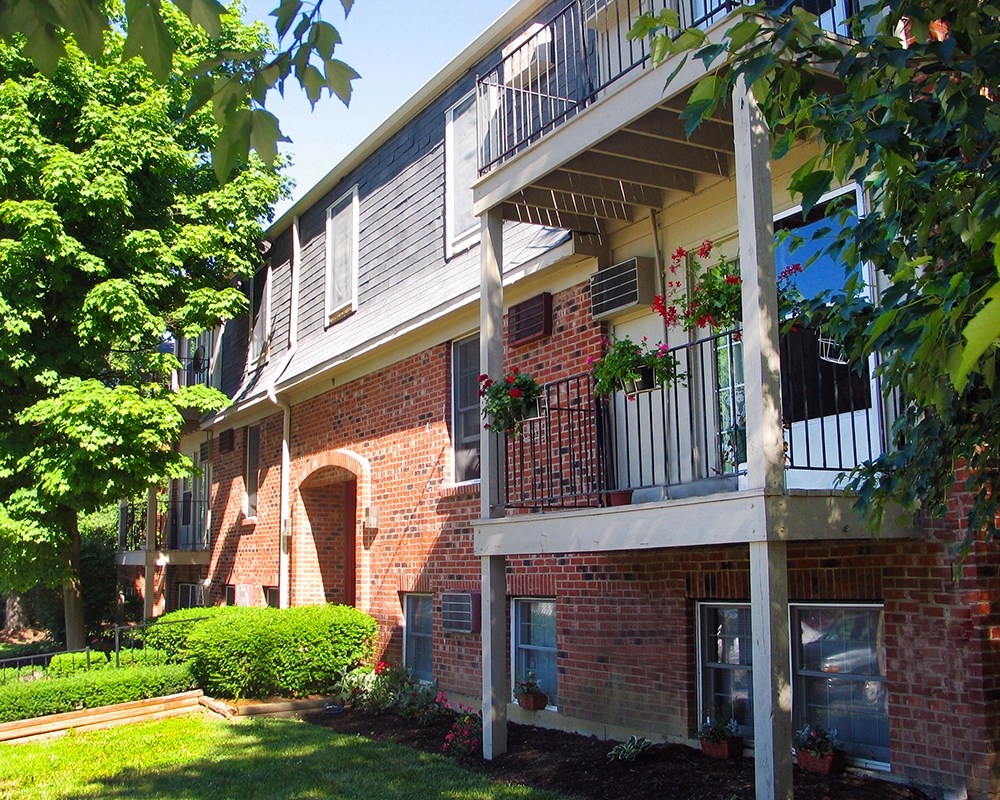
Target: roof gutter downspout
[285, 537]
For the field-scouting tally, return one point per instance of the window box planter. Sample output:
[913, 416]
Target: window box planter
[532, 701]
[825, 764]
[723, 748]
[618, 497]
[646, 382]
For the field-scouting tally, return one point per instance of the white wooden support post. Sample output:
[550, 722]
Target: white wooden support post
[761, 359]
[772, 700]
[494, 578]
[149, 575]
[772, 688]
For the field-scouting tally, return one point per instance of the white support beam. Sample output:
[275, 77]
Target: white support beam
[494, 578]
[761, 359]
[772, 688]
[496, 691]
[491, 353]
[149, 569]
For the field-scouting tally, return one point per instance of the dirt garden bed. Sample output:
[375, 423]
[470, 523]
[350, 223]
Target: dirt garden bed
[577, 765]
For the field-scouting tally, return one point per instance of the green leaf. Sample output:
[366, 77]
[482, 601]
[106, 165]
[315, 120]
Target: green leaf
[82, 19]
[206, 13]
[981, 333]
[148, 38]
[338, 77]
[265, 135]
[233, 144]
[284, 16]
[312, 81]
[201, 93]
[741, 33]
[324, 38]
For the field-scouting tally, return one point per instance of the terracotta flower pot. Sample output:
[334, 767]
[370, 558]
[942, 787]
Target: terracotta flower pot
[618, 497]
[726, 748]
[825, 764]
[531, 701]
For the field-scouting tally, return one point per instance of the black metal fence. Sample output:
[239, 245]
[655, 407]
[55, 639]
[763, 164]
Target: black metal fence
[180, 525]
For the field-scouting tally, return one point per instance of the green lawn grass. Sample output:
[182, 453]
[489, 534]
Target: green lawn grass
[200, 757]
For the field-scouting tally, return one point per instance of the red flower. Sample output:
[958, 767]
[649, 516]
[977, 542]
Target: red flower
[515, 392]
[706, 249]
[733, 279]
[511, 378]
[679, 254]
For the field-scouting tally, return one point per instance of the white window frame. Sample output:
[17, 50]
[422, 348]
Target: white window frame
[260, 326]
[455, 409]
[704, 710]
[409, 601]
[515, 646]
[337, 311]
[457, 241]
[250, 510]
[793, 667]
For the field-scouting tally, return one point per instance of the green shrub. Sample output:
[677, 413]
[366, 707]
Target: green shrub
[139, 657]
[258, 652]
[170, 632]
[91, 690]
[28, 649]
[63, 665]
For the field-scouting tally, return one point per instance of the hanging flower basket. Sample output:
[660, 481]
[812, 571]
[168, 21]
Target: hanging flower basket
[644, 381]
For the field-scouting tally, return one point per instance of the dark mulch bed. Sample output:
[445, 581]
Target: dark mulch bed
[577, 765]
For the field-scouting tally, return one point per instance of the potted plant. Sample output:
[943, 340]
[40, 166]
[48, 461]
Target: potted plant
[720, 739]
[509, 401]
[634, 367]
[530, 695]
[817, 749]
[715, 300]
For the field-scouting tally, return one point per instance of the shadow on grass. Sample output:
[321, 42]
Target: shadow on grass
[273, 759]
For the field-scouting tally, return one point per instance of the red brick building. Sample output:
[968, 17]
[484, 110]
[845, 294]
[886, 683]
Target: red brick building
[474, 233]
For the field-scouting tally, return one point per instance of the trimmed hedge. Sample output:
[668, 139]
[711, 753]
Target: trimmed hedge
[63, 665]
[259, 652]
[170, 632]
[91, 690]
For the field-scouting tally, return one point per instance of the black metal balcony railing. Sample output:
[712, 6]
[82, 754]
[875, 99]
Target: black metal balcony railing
[691, 438]
[552, 71]
[180, 525]
[194, 370]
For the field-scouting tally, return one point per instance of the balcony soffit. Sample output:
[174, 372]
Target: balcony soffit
[632, 169]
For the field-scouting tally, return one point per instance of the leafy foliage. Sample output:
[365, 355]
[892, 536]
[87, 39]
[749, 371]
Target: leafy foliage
[259, 652]
[507, 402]
[47, 33]
[466, 735]
[916, 123]
[114, 233]
[630, 749]
[63, 665]
[623, 359]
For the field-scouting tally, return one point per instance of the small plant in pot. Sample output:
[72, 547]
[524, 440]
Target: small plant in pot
[530, 695]
[634, 367]
[720, 739]
[509, 401]
[817, 749]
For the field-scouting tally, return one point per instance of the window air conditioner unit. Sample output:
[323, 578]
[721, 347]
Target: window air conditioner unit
[461, 612]
[622, 287]
[528, 57]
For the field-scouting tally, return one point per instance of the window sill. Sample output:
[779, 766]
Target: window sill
[466, 489]
[247, 524]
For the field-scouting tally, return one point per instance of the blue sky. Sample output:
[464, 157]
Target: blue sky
[396, 46]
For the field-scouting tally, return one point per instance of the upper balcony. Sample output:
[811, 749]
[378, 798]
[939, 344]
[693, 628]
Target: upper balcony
[180, 531]
[690, 439]
[628, 149]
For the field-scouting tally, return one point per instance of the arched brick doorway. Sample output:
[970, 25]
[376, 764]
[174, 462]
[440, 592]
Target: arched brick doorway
[324, 561]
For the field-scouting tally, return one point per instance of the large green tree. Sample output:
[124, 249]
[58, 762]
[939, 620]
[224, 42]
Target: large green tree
[114, 233]
[237, 96]
[907, 108]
